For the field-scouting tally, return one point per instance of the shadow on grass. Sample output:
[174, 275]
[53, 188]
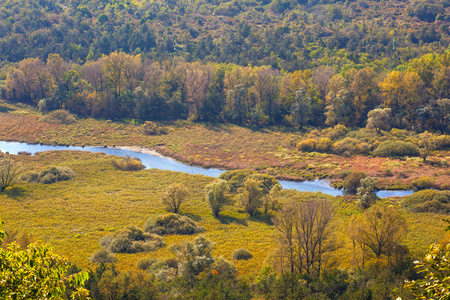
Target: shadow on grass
[229, 220]
[196, 218]
[217, 127]
[259, 217]
[15, 192]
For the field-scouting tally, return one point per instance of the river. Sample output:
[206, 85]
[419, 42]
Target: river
[151, 160]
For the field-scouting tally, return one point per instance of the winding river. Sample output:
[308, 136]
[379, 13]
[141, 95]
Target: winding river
[151, 160]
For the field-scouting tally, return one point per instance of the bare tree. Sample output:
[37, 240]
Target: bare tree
[8, 172]
[304, 233]
[173, 196]
[322, 76]
[94, 73]
[380, 229]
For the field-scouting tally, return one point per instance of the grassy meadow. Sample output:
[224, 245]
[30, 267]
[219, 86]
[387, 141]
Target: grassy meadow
[73, 215]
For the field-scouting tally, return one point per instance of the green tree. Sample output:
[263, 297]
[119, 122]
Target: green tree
[216, 196]
[173, 196]
[251, 195]
[36, 273]
[8, 172]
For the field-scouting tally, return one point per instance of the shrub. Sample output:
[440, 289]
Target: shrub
[346, 147]
[338, 131]
[236, 178]
[132, 240]
[241, 254]
[103, 256]
[145, 263]
[128, 164]
[50, 175]
[59, 116]
[428, 201]
[172, 224]
[423, 183]
[151, 128]
[324, 145]
[308, 145]
[353, 181]
[396, 149]
[442, 142]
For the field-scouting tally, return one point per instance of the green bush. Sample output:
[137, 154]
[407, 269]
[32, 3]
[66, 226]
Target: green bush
[241, 254]
[338, 132]
[396, 149]
[50, 175]
[128, 164]
[103, 256]
[59, 116]
[132, 240]
[353, 181]
[151, 128]
[308, 145]
[324, 145]
[145, 263]
[236, 178]
[423, 183]
[172, 224]
[346, 147]
[428, 201]
[442, 142]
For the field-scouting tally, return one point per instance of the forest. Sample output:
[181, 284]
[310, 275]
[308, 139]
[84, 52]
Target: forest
[353, 92]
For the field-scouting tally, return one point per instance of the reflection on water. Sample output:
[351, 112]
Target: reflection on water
[164, 163]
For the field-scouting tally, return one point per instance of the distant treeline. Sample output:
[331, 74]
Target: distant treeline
[285, 34]
[126, 86]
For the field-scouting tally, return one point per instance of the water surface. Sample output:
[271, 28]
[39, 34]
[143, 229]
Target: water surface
[165, 163]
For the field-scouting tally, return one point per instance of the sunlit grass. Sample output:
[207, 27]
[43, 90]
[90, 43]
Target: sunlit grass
[73, 215]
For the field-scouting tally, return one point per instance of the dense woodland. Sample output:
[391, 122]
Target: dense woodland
[296, 64]
[120, 85]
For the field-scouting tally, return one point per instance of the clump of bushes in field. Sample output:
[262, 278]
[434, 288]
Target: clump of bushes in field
[396, 149]
[50, 175]
[128, 164]
[165, 270]
[173, 224]
[132, 240]
[236, 178]
[103, 256]
[151, 128]
[428, 201]
[241, 254]
[59, 116]
[423, 183]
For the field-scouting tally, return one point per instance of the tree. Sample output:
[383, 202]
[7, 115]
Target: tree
[251, 195]
[338, 107]
[173, 196]
[364, 90]
[216, 196]
[193, 257]
[301, 107]
[366, 192]
[379, 119]
[8, 172]
[36, 273]
[380, 229]
[303, 234]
